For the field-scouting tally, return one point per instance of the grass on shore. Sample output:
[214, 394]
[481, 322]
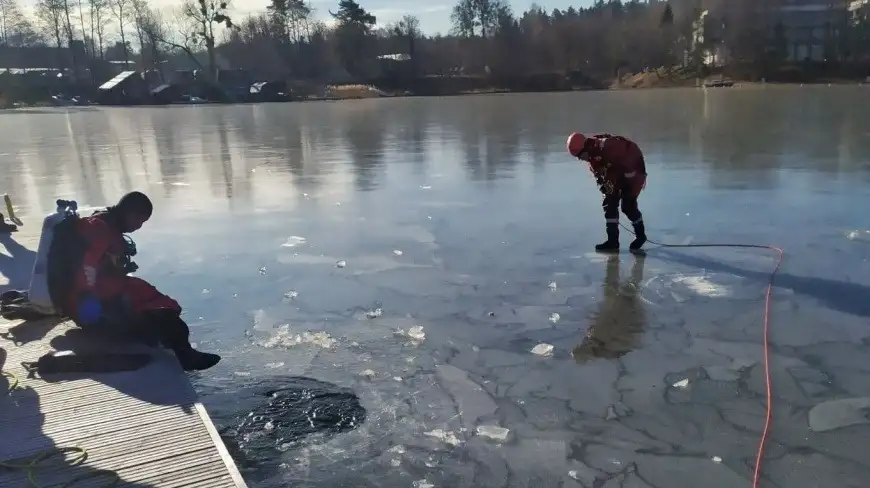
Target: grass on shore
[352, 91]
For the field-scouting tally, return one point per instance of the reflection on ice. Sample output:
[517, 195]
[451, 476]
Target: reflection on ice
[294, 241]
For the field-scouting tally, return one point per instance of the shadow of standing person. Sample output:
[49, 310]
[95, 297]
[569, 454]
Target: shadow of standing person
[28, 454]
[621, 317]
[17, 266]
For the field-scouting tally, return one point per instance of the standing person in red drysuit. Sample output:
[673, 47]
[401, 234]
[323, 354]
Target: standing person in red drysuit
[103, 297]
[620, 172]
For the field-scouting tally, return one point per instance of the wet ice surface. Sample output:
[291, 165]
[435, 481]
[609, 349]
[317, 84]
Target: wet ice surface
[494, 349]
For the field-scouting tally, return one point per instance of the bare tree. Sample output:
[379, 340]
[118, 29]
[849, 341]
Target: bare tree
[206, 16]
[178, 34]
[67, 22]
[140, 15]
[100, 20]
[150, 31]
[49, 14]
[121, 12]
[15, 27]
[82, 13]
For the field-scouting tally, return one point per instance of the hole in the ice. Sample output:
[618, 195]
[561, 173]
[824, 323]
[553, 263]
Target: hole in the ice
[292, 410]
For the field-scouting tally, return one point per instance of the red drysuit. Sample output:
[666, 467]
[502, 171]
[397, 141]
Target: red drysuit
[102, 274]
[617, 162]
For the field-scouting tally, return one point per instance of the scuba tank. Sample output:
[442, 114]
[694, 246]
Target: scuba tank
[38, 295]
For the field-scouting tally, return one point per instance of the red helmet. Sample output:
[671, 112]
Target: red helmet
[575, 143]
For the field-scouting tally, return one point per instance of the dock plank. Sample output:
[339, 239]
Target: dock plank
[146, 426]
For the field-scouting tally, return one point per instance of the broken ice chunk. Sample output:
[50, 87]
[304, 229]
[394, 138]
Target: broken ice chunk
[858, 234]
[284, 337]
[368, 374]
[373, 314]
[682, 383]
[416, 333]
[397, 252]
[552, 285]
[543, 349]
[836, 414]
[717, 459]
[444, 436]
[493, 432]
[341, 264]
[291, 295]
[554, 317]
[269, 426]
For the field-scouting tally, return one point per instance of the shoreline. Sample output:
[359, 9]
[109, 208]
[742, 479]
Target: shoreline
[378, 94]
[494, 91]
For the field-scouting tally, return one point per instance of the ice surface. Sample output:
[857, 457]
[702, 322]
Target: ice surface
[501, 242]
[473, 401]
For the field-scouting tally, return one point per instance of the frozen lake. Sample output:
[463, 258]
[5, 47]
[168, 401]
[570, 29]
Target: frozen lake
[415, 251]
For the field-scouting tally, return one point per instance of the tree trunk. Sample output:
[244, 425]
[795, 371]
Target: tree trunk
[212, 58]
[124, 46]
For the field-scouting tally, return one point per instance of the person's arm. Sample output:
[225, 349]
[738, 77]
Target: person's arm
[98, 237]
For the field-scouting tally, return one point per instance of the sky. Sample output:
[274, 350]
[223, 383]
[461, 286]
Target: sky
[434, 15]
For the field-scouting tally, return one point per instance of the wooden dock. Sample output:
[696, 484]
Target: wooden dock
[139, 429]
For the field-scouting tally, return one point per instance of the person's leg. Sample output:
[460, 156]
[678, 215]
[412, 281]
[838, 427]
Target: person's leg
[142, 296]
[610, 204]
[158, 319]
[630, 209]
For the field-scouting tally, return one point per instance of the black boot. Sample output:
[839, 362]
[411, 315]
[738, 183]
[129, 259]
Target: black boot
[612, 242]
[175, 334]
[193, 360]
[639, 239]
